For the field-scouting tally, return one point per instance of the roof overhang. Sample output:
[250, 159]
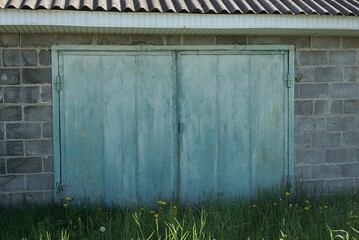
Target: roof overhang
[67, 21]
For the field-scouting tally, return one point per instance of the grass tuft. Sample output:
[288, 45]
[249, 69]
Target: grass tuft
[270, 216]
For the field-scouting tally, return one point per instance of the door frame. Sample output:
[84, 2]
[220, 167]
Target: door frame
[57, 51]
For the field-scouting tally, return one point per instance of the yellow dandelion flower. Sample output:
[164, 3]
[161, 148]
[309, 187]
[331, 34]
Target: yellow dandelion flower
[306, 208]
[287, 194]
[325, 206]
[65, 205]
[275, 204]
[253, 206]
[152, 212]
[156, 215]
[307, 201]
[68, 199]
[290, 205]
[174, 207]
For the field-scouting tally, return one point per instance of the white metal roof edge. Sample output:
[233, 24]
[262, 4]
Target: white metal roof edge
[74, 21]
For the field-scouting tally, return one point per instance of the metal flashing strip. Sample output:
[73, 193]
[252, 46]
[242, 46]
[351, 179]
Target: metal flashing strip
[40, 21]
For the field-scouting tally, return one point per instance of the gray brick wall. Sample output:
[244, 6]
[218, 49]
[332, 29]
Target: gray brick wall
[326, 107]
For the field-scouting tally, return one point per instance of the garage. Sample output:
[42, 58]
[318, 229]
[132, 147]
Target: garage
[143, 123]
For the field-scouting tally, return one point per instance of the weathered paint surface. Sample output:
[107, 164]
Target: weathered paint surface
[232, 110]
[166, 124]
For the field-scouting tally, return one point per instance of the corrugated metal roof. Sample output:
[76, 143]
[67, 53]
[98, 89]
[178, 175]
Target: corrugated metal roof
[307, 7]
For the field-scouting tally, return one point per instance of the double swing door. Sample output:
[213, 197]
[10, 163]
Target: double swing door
[148, 125]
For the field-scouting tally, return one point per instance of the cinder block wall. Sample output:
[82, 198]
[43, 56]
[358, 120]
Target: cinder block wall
[326, 106]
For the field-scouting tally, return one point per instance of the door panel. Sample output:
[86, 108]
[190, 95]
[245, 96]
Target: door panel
[83, 151]
[132, 100]
[267, 120]
[214, 111]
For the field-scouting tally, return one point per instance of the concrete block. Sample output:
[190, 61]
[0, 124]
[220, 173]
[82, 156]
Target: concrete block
[198, 40]
[231, 39]
[9, 76]
[326, 171]
[2, 131]
[3, 148]
[10, 113]
[24, 165]
[339, 184]
[344, 90]
[14, 148]
[343, 57]
[350, 170]
[47, 130]
[173, 40]
[296, 91]
[21, 94]
[30, 197]
[113, 39]
[328, 74]
[2, 166]
[302, 140]
[48, 197]
[263, 40]
[76, 39]
[44, 57]
[298, 41]
[38, 147]
[350, 42]
[351, 106]
[340, 155]
[351, 74]
[46, 94]
[1, 95]
[38, 40]
[138, 39]
[19, 58]
[310, 186]
[48, 163]
[304, 74]
[351, 139]
[36, 76]
[4, 198]
[17, 197]
[12, 183]
[326, 42]
[310, 125]
[316, 90]
[40, 182]
[326, 139]
[38, 113]
[309, 156]
[313, 58]
[9, 40]
[303, 172]
[23, 130]
[303, 107]
[341, 124]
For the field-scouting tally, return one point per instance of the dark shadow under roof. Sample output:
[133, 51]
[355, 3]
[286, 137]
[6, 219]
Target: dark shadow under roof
[294, 7]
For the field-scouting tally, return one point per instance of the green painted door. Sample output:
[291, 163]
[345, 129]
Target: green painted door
[137, 125]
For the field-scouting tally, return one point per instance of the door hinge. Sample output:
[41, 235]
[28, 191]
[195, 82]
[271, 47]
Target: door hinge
[59, 83]
[289, 81]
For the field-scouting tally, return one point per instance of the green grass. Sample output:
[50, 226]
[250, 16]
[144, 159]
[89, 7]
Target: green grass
[269, 217]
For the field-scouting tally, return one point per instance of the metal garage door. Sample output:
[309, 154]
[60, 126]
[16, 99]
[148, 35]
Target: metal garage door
[134, 125]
